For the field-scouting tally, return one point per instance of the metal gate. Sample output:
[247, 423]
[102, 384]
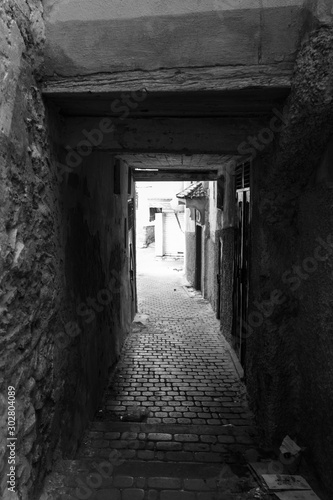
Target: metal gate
[241, 260]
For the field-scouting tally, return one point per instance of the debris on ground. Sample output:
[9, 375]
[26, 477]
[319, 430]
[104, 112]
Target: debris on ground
[135, 414]
[265, 467]
[274, 474]
[283, 486]
[289, 447]
[291, 455]
[285, 482]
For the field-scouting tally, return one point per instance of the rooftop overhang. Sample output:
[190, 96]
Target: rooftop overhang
[196, 199]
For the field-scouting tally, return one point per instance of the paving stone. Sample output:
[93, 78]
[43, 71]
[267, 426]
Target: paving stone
[146, 455]
[117, 444]
[111, 435]
[209, 439]
[226, 439]
[140, 482]
[169, 420]
[164, 482]
[132, 494]
[196, 447]
[207, 457]
[129, 453]
[177, 495]
[168, 446]
[153, 495]
[186, 437]
[208, 496]
[179, 456]
[195, 485]
[96, 435]
[159, 436]
[107, 494]
[99, 443]
[123, 481]
[129, 435]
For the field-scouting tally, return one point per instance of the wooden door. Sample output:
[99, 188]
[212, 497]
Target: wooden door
[241, 261]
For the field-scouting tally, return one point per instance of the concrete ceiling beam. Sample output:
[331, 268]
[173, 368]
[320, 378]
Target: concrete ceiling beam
[163, 135]
[176, 175]
[85, 37]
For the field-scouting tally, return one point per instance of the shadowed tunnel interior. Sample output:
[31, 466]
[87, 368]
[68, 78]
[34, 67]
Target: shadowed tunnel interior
[234, 103]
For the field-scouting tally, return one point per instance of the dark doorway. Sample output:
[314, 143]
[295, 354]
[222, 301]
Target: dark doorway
[219, 282]
[198, 256]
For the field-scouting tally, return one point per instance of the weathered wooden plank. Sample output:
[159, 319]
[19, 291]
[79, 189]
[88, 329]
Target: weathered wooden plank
[215, 78]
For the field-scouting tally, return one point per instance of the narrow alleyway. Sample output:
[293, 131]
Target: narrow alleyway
[176, 368]
[175, 422]
[233, 102]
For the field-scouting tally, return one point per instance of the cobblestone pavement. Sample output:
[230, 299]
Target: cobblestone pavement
[176, 366]
[174, 423]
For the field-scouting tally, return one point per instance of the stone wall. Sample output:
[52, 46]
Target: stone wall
[227, 282]
[210, 280]
[190, 248]
[97, 287]
[190, 257]
[30, 251]
[290, 345]
[211, 246]
[60, 234]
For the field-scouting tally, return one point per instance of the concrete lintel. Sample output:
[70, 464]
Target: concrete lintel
[84, 37]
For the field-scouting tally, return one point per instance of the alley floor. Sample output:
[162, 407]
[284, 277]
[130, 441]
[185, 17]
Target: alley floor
[175, 422]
